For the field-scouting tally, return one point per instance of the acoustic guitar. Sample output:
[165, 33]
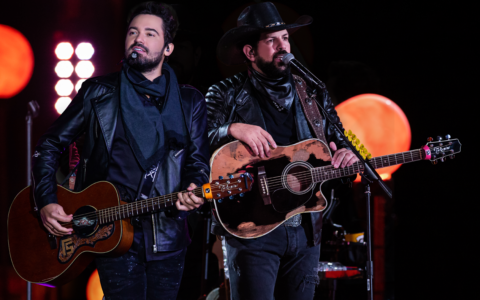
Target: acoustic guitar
[101, 224]
[291, 181]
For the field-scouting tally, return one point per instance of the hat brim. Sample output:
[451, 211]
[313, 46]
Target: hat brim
[230, 54]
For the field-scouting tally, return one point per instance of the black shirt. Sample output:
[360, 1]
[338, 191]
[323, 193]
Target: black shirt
[280, 124]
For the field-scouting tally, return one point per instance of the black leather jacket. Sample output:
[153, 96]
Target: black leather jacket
[237, 91]
[94, 111]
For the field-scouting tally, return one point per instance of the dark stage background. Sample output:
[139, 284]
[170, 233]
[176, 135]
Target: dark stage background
[422, 56]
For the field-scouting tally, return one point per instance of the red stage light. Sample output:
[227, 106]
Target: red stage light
[379, 123]
[16, 61]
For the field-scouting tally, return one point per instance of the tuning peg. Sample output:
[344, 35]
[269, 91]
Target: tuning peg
[439, 138]
[241, 194]
[230, 176]
[430, 139]
[448, 136]
[434, 162]
[442, 159]
[220, 200]
[220, 177]
[231, 197]
[452, 156]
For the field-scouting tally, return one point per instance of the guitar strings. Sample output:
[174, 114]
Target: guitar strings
[336, 173]
[300, 179]
[375, 161]
[144, 204]
[272, 182]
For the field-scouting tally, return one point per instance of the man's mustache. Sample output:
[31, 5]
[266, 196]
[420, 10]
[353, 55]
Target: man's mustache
[281, 52]
[140, 46]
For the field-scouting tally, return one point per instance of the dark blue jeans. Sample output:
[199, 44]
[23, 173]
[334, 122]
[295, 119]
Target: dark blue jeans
[132, 277]
[279, 265]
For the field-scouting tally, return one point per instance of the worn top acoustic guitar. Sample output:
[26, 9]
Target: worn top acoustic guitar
[290, 181]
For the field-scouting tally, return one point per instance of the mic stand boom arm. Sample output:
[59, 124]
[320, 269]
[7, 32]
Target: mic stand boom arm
[368, 170]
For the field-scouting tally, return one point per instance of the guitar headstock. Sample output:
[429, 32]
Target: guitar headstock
[440, 149]
[228, 187]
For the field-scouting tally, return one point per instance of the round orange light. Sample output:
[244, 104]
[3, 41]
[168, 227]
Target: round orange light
[379, 123]
[16, 61]
[94, 288]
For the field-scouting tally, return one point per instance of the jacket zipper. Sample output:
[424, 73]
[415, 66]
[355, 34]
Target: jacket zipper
[154, 235]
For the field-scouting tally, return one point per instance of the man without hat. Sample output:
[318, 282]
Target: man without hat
[262, 109]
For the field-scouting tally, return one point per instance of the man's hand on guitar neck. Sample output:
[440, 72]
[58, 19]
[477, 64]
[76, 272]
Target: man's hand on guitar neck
[254, 136]
[342, 157]
[51, 214]
[188, 201]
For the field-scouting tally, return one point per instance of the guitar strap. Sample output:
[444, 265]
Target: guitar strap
[310, 108]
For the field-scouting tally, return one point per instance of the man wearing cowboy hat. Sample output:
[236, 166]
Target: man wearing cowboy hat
[262, 109]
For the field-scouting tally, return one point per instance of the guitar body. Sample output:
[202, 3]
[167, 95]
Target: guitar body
[289, 185]
[31, 250]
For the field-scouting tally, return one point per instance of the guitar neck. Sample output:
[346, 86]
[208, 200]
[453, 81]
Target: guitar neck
[329, 172]
[141, 207]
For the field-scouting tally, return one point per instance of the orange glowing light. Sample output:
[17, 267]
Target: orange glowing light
[379, 123]
[94, 289]
[16, 62]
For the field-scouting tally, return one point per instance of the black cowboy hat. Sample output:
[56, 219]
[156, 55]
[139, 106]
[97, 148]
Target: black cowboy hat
[262, 17]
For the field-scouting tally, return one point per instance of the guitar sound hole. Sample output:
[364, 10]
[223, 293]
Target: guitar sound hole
[298, 179]
[85, 221]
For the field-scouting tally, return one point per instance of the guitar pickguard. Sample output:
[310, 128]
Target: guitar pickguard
[68, 245]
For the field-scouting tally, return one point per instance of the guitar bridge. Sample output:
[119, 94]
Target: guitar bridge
[263, 186]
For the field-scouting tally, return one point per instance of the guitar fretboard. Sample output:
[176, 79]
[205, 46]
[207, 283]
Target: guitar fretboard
[329, 172]
[140, 207]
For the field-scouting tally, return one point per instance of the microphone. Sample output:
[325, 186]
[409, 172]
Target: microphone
[289, 59]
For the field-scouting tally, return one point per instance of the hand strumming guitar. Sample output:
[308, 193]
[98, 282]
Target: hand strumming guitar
[51, 214]
[254, 136]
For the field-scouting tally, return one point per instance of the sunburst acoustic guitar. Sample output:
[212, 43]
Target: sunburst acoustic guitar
[101, 223]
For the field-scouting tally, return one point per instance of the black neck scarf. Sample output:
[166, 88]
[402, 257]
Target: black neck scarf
[279, 90]
[149, 131]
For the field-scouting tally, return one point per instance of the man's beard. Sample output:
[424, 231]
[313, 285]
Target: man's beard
[144, 64]
[270, 69]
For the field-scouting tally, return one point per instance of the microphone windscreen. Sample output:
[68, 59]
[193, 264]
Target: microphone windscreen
[134, 55]
[287, 58]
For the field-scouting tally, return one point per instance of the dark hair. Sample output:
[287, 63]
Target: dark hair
[161, 10]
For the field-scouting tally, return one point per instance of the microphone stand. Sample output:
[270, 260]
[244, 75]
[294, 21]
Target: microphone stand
[369, 174]
[33, 108]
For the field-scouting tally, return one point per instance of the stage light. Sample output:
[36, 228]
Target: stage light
[79, 84]
[84, 51]
[64, 51]
[84, 69]
[16, 61]
[64, 87]
[379, 123]
[64, 69]
[94, 288]
[62, 104]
